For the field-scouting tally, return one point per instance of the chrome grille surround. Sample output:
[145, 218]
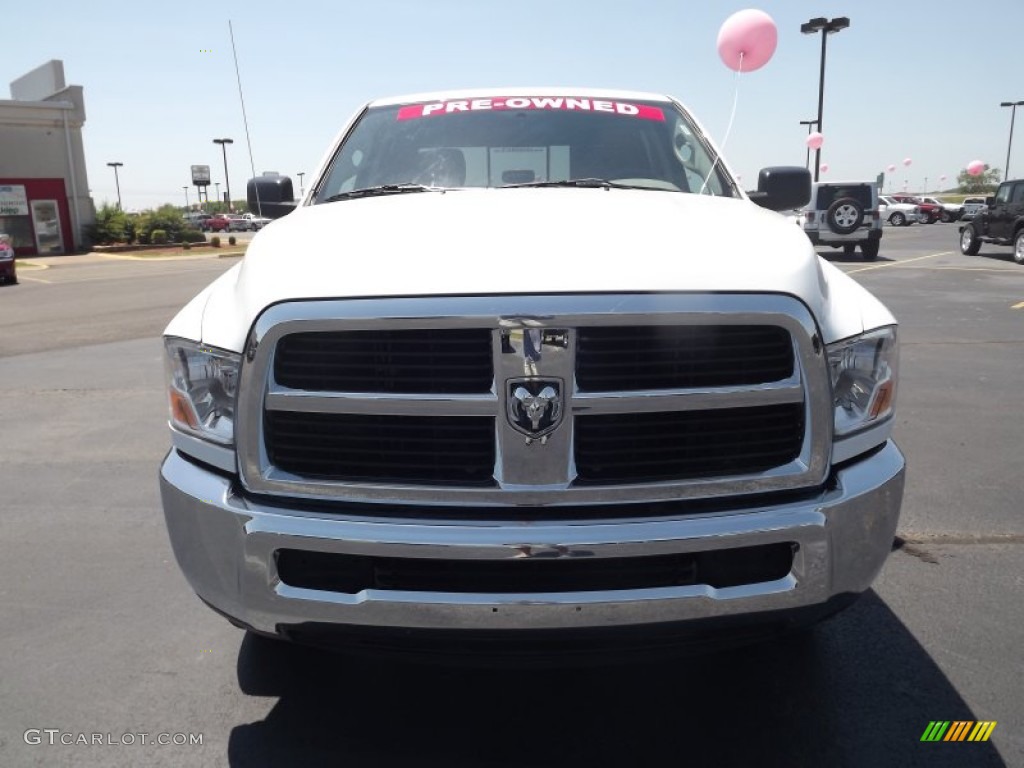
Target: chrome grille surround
[534, 472]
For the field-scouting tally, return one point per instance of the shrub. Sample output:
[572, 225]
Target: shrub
[192, 236]
[187, 245]
[232, 240]
[158, 237]
[109, 227]
[215, 241]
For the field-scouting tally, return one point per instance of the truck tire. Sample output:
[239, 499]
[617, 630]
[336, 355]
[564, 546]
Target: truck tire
[946, 217]
[869, 249]
[970, 244]
[849, 249]
[1018, 246]
[897, 219]
[844, 216]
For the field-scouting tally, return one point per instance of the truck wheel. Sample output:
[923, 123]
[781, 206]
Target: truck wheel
[844, 216]
[849, 249]
[897, 219]
[1018, 247]
[969, 242]
[869, 250]
[946, 217]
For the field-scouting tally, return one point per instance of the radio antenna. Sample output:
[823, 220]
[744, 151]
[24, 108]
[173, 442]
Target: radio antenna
[245, 120]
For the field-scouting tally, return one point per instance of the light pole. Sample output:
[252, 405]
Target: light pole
[186, 196]
[826, 27]
[808, 123]
[300, 175]
[117, 182]
[1013, 113]
[227, 181]
[217, 185]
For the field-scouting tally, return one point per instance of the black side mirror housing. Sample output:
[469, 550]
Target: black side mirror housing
[270, 195]
[989, 200]
[782, 188]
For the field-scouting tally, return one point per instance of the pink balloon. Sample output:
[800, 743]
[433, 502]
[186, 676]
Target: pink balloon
[824, 167]
[815, 140]
[747, 40]
[976, 167]
[907, 161]
[891, 168]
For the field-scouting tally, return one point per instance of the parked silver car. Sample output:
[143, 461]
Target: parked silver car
[896, 213]
[972, 206]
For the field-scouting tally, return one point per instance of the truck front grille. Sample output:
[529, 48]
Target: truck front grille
[536, 401]
[447, 360]
[650, 447]
[382, 449]
[669, 357]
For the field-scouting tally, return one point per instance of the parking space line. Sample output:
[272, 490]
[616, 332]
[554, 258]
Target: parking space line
[1018, 305]
[1006, 270]
[35, 279]
[897, 263]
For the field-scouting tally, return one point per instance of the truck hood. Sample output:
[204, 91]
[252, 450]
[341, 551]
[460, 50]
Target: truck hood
[523, 241]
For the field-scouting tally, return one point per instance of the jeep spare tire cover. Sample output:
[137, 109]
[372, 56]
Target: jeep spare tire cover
[844, 215]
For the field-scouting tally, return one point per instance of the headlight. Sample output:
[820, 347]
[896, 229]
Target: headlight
[202, 385]
[864, 373]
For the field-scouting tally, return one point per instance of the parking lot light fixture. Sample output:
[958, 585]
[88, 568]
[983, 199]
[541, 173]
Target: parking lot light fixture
[826, 27]
[227, 181]
[809, 124]
[117, 182]
[1013, 113]
[301, 192]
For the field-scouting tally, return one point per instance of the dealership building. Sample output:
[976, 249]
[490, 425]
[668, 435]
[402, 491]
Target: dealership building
[44, 192]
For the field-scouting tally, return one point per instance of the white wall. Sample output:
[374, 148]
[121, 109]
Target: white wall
[34, 143]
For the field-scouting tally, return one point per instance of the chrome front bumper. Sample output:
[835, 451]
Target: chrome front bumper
[226, 545]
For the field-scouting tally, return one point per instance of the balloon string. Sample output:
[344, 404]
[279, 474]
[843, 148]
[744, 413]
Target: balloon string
[728, 128]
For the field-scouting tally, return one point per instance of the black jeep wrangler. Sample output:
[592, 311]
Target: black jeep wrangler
[1000, 222]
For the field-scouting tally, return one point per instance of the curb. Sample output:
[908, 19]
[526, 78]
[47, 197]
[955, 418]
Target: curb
[130, 257]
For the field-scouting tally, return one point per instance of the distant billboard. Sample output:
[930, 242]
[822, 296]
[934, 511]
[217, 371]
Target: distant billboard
[201, 175]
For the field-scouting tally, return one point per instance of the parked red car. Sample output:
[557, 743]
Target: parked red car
[217, 223]
[930, 212]
[8, 273]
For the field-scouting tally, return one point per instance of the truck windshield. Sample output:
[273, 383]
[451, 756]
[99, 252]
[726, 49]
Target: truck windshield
[524, 141]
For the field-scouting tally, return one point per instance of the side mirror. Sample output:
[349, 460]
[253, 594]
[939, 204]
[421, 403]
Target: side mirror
[782, 188]
[270, 195]
[989, 200]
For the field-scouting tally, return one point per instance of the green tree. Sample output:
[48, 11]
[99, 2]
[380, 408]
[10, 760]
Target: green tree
[985, 181]
[111, 226]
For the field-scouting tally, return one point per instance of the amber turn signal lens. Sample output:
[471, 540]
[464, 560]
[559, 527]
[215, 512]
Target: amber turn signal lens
[182, 411]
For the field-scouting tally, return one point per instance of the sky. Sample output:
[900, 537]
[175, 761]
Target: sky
[906, 80]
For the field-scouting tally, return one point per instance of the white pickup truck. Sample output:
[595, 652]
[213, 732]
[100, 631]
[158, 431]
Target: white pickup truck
[253, 222]
[501, 381]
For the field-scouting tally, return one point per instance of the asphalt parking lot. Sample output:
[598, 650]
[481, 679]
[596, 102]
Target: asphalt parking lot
[101, 633]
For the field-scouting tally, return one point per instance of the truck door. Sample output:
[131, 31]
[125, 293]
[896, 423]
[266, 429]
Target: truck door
[999, 212]
[1015, 209]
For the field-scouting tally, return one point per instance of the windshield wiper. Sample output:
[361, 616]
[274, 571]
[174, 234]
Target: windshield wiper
[383, 189]
[589, 182]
